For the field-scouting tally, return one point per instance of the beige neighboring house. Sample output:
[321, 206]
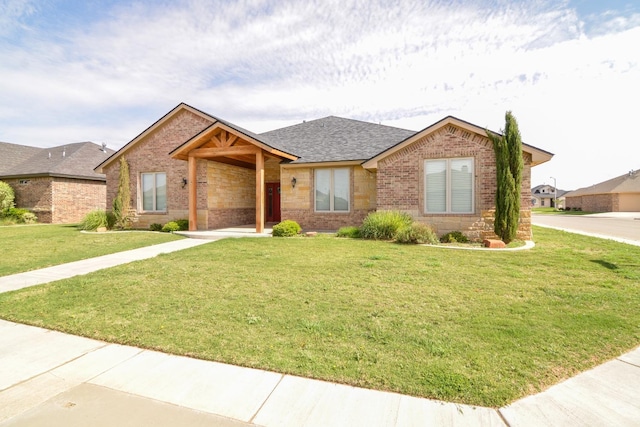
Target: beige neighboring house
[58, 184]
[620, 194]
[324, 174]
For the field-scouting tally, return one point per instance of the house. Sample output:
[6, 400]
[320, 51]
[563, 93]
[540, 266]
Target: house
[620, 194]
[58, 184]
[324, 173]
[545, 196]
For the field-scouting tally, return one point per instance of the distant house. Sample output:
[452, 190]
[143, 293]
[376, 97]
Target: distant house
[546, 196]
[620, 194]
[324, 173]
[58, 184]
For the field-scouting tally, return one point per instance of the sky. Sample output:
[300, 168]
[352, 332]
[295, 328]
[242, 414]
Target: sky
[105, 70]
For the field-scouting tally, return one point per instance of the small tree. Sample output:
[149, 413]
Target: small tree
[7, 197]
[509, 165]
[122, 202]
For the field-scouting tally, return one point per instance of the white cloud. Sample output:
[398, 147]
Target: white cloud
[264, 64]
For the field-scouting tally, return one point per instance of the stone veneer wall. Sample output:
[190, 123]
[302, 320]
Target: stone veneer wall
[298, 202]
[401, 182]
[152, 155]
[231, 195]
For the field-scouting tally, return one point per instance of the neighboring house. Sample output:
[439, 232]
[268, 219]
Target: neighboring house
[545, 196]
[324, 173]
[620, 194]
[58, 184]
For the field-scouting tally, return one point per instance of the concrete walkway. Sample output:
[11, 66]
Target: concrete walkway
[48, 378]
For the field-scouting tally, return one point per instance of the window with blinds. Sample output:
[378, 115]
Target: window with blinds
[449, 185]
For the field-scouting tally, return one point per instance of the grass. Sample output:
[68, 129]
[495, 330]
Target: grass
[477, 327]
[554, 211]
[29, 247]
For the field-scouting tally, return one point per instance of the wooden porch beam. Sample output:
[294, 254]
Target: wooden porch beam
[193, 193]
[259, 192]
[223, 152]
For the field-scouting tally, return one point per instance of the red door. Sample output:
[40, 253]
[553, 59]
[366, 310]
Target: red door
[272, 201]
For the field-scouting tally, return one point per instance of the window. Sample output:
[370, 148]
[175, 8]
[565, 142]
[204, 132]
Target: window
[332, 190]
[154, 191]
[449, 185]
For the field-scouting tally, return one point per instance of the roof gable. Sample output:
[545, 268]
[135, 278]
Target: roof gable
[155, 126]
[467, 131]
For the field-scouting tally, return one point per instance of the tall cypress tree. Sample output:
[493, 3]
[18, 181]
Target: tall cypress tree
[509, 165]
[122, 202]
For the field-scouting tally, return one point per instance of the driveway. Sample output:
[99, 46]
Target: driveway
[622, 226]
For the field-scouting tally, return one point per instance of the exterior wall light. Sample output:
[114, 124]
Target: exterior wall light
[184, 182]
[293, 182]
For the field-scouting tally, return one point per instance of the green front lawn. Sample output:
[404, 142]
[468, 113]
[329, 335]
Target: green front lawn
[554, 211]
[478, 327]
[29, 247]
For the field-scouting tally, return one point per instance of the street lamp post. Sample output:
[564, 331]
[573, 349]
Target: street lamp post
[555, 193]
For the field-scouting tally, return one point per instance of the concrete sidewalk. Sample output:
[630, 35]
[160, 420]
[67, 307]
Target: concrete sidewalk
[48, 378]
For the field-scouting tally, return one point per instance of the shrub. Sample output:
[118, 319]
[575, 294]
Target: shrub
[183, 224]
[155, 227]
[170, 227]
[383, 225]
[454, 237]
[7, 196]
[286, 228]
[351, 232]
[21, 216]
[96, 219]
[417, 233]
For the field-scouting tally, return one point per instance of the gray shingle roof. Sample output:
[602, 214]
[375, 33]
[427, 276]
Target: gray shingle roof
[75, 160]
[334, 139]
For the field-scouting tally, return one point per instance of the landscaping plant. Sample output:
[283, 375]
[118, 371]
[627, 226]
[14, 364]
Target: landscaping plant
[7, 197]
[383, 225]
[122, 202]
[509, 165]
[287, 228]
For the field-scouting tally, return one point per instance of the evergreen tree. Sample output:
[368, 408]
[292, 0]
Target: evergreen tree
[122, 202]
[509, 165]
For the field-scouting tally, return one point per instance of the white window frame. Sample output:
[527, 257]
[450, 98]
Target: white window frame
[448, 209]
[155, 196]
[331, 190]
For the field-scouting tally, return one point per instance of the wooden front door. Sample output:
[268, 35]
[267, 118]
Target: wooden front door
[272, 202]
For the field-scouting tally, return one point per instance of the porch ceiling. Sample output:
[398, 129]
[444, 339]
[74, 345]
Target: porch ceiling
[224, 144]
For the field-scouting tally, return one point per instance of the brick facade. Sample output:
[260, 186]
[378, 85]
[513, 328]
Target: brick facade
[59, 200]
[151, 154]
[595, 202]
[400, 182]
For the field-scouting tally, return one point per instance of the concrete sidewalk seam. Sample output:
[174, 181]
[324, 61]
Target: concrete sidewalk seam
[49, 371]
[266, 399]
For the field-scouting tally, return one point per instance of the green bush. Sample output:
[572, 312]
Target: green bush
[96, 219]
[183, 224]
[383, 225]
[286, 228]
[21, 216]
[155, 227]
[454, 237]
[7, 196]
[417, 233]
[170, 227]
[351, 232]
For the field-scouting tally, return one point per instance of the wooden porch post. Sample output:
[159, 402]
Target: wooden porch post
[259, 192]
[193, 194]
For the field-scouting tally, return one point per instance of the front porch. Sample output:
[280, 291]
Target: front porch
[230, 195]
